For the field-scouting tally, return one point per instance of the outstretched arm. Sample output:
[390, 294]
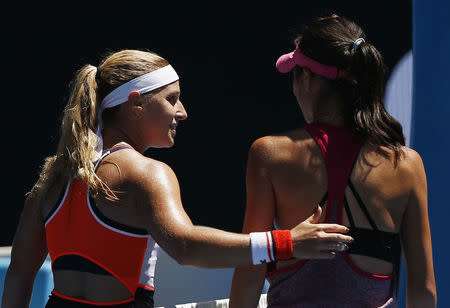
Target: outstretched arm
[158, 191]
[416, 241]
[28, 253]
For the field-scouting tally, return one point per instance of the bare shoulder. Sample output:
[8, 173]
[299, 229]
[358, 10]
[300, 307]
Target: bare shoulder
[143, 171]
[32, 201]
[412, 168]
[264, 146]
[276, 146]
[411, 156]
[31, 213]
[408, 168]
[411, 161]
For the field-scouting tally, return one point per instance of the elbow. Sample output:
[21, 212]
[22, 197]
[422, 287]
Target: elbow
[428, 297]
[431, 296]
[181, 251]
[425, 296]
[17, 288]
[185, 253]
[19, 276]
[423, 300]
[180, 254]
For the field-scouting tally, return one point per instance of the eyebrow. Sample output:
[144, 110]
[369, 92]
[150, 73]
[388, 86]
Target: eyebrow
[175, 92]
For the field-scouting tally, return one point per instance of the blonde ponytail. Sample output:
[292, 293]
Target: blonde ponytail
[76, 153]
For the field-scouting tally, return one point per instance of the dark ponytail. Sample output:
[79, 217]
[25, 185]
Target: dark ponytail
[330, 40]
[370, 118]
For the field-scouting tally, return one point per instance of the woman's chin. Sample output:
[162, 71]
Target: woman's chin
[164, 144]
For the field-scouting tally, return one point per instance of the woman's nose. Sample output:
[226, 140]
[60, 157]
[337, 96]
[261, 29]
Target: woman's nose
[181, 112]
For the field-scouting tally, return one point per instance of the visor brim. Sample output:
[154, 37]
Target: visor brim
[285, 63]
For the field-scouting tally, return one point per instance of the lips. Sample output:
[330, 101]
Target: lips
[173, 128]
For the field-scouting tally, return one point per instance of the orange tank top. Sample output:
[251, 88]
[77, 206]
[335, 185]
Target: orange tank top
[75, 229]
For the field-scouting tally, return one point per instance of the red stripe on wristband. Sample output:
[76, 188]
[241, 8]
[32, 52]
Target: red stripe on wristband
[283, 244]
[268, 246]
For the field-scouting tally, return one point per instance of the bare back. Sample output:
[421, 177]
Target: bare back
[299, 180]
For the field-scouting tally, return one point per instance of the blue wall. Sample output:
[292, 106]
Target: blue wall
[431, 115]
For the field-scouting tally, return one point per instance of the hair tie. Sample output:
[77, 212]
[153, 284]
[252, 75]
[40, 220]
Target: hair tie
[97, 73]
[357, 43]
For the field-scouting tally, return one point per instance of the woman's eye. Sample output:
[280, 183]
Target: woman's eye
[173, 99]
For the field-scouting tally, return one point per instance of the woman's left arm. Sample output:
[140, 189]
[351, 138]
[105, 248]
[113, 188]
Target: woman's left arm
[29, 251]
[416, 240]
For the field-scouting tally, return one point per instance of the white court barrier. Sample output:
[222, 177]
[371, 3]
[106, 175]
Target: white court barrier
[220, 303]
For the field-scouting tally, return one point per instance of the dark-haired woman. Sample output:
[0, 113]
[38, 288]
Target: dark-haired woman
[351, 159]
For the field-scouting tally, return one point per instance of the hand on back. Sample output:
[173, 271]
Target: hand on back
[313, 240]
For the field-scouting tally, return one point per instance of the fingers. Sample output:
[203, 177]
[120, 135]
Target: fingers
[333, 228]
[315, 217]
[336, 237]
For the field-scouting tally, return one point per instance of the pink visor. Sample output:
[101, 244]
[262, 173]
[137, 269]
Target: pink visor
[288, 61]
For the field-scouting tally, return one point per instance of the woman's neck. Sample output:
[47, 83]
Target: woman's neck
[332, 119]
[113, 135]
[329, 111]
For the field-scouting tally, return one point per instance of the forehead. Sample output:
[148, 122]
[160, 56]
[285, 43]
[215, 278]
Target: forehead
[173, 88]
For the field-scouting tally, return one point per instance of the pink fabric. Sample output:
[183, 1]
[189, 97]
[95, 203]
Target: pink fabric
[344, 148]
[328, 284]
[288, 61]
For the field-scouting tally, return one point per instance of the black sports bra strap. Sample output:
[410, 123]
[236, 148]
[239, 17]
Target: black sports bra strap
[349, 213]
[324, 199]
[362, 206]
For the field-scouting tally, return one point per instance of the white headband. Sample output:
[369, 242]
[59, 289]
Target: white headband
[142, 84]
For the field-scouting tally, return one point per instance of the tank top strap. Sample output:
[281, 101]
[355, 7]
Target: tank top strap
[109, 151]
[340, 148]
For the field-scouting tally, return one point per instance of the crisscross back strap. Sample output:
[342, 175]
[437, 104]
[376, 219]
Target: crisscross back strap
[363, 206]
[340, 148]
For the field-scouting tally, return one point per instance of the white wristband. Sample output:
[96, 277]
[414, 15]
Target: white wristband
[262, 247]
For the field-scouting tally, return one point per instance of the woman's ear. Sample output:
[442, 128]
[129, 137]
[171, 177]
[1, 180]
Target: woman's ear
[135, 98]
[134, 104]
[307, 72]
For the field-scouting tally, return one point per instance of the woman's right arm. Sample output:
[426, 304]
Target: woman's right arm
[159, 192]
[248, 280]
[416, 240]
[29, 251]
[260, 211]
